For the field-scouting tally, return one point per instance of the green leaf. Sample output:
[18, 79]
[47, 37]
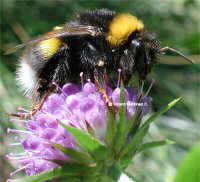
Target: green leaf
[157, 114]
[42, 176]
[38, 178]
[111, 128]
[80, 157]
[122, 123]
[135, 81]
[136, 141]
[71, 171]
[132, 146]
[135, 121]
[189, 170]
[88, 143]
[150, 145]
[131, 177]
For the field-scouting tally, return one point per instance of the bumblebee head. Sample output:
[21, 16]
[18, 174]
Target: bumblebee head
[146, 49]
[121, 27]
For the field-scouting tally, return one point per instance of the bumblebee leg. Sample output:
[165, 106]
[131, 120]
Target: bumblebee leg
[38, 106]
[101, 80]
[27, 114]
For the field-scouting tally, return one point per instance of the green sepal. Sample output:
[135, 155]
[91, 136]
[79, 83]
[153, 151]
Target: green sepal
[69, 171]
[132, 146]
[120, 137]
[153, 117]
[78, 156]
[131, 176]
[135, 81]
[154, 144]
[111, 127]
[157, 114]
[88, 143]
[41, 176]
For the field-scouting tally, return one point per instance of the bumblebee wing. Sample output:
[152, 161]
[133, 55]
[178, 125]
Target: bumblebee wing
[75, 30]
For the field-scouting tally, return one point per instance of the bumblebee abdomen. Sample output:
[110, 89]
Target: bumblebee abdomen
[39, 54]
[33, 62]
[49, 47]
[26, 76]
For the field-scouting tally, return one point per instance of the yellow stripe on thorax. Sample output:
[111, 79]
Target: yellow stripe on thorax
[121, 27]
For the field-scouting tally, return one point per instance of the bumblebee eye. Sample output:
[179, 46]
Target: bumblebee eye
[135, 42]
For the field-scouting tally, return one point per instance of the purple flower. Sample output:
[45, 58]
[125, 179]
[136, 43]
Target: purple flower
[77, 107]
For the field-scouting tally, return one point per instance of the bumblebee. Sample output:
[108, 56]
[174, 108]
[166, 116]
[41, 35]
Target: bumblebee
[97, 43]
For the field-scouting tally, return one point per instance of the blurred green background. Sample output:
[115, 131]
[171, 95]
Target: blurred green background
[176, 24]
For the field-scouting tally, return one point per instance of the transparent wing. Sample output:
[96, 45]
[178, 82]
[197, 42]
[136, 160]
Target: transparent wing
[75, 30]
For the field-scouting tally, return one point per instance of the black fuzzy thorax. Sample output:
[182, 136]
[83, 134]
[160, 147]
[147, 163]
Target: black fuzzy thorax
[96, 17]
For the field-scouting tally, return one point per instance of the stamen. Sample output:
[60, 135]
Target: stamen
[119, 78]
[18, 120]
[14, 144]
[17, 138]
[14, 131]
[18, 158]
[21, 116]
[21, 109]
[17, 154]
[18, 170]
[25, 157]
[57, 86]
[81, 76]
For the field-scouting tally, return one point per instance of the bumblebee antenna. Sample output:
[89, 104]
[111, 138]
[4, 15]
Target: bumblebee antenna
[178, 53]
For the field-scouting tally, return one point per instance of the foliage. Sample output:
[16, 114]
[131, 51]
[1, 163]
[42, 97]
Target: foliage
[104, 163]
[176, 23]
[190, 168]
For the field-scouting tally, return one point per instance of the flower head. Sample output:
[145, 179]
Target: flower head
[76, 106]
